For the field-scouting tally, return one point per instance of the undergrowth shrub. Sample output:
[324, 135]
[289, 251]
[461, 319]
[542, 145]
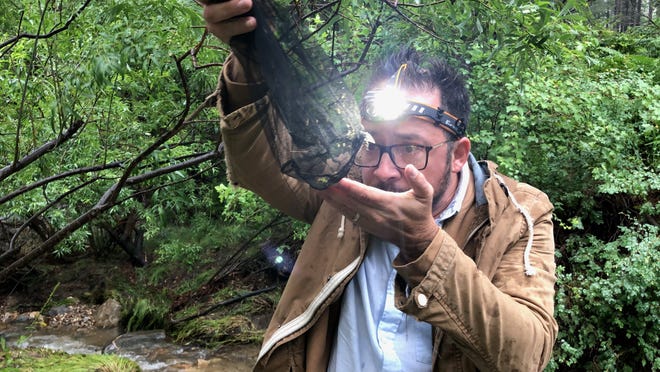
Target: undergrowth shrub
[584, 126]
[608, 303]
[244, 208]
[578, 136]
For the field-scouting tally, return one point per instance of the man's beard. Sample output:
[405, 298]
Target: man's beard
[439, 191]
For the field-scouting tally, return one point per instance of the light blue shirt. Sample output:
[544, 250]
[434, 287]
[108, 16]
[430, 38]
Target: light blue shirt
[373, 335]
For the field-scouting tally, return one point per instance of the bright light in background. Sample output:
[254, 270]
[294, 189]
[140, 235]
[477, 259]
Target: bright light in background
[281, 257]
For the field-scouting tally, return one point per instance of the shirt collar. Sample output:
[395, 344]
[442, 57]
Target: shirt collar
[455, 205]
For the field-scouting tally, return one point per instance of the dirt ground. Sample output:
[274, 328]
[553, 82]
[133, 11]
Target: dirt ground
[81, 284]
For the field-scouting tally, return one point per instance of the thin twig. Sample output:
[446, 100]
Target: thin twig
[231, 262]
[195, 50]
[412, 22]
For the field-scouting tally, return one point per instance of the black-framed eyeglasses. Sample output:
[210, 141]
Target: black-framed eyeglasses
[370, 154]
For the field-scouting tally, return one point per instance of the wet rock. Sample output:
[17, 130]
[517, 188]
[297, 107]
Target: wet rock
[8, 317]
[57, 310]
[30, 317]
[141, 341]
[108, 314]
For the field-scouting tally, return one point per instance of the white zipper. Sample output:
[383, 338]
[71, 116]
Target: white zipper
[304, 318]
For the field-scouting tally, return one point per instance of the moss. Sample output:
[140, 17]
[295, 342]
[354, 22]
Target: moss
[36, 359]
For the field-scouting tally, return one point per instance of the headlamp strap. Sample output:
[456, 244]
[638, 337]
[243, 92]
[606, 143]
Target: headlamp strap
[438, 115]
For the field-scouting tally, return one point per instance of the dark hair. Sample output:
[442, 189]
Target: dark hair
[426, 73]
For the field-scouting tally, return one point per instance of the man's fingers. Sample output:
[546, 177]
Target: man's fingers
[344, 196]
[418, 183]
[223, 11]
[226, 19]
[228, 29]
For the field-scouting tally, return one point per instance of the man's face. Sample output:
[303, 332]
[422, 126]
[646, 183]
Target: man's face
[416, 131]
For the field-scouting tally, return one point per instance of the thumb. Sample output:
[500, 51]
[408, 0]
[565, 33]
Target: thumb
[420, 186]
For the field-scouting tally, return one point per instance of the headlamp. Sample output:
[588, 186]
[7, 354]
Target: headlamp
[390, 105]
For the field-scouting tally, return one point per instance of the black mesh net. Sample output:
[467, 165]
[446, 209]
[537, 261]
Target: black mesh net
[322, 130]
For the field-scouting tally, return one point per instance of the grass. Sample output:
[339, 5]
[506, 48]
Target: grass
[231, 329]
[38, 359]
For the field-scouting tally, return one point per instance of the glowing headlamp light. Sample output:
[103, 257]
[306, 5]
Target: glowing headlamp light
[390, 105]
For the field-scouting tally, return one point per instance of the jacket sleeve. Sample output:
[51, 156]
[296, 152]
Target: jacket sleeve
[243, 105]
[500, 318]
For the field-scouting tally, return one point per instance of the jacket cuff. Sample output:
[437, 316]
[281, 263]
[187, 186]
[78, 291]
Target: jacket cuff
[417, 281]
[414, 272]
[239, 87]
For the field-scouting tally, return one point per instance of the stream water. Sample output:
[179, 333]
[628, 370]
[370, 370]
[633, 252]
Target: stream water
[150, 349]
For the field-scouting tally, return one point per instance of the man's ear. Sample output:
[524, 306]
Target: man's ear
[460, 154]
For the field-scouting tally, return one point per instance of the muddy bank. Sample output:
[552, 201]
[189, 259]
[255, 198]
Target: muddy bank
[74, 327]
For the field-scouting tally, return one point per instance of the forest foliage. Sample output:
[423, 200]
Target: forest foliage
[109, 138]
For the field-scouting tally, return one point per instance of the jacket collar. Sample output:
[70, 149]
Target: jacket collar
[480, 173]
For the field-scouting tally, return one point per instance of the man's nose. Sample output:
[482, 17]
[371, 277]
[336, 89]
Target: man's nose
[386, 168]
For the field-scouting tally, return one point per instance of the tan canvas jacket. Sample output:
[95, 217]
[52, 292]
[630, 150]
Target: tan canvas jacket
[470, 283]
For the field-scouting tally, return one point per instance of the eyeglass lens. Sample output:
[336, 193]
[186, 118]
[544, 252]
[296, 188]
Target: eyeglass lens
[370, 155]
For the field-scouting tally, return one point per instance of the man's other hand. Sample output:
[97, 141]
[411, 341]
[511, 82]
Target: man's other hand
[226, 19]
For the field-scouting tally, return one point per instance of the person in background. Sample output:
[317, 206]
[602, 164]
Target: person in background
[427, 260]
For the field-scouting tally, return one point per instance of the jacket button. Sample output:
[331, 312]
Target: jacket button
[422, 300]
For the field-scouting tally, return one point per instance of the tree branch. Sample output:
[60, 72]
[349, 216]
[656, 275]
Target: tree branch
[421, 27]
[40, 151]
[111, 194]
[367, 46]
[162, 186]
[15, 39]
[363, 55]
[47, 180]
[172, 168]
[36, 215]
[400, 4]
[101, 206]
[109, 198]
